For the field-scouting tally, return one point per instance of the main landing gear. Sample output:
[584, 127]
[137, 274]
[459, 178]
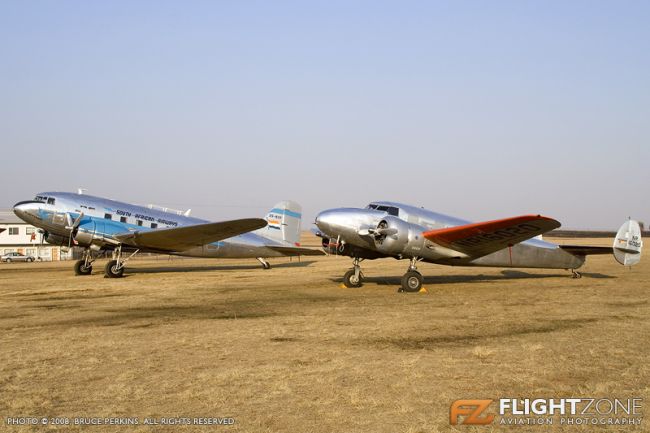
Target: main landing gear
[85, 265]
[354, 277]
[412, 279]
[115, 267]
[575, 274]
[265, 264]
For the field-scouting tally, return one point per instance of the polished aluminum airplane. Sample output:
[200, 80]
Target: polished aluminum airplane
[389, 229]
[98, 224]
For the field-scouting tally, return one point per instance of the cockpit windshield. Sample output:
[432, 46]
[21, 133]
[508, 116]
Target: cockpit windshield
[391, 210]
[44, 199]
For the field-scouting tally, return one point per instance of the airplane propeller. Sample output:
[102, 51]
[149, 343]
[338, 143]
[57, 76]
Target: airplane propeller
[381, 230]
[72, 226]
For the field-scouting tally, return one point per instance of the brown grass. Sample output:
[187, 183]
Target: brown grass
[289, 350]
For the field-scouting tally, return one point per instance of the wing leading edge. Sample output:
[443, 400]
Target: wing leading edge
[480, 239]
[186, 237]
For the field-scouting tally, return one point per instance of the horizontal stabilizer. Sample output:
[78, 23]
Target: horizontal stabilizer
[296, 251]
[483, 238]
[186, 237]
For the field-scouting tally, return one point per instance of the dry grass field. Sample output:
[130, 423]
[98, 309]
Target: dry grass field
[289, 350]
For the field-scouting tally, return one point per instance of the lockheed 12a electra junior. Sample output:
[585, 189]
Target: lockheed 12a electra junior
[388, 229]
[97, 224]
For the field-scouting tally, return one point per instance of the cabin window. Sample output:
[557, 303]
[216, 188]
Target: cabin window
[138, 222]
[108, 216]
[13, 230]
[154, 225]
[30, 230]
[123, 219]
[50, 200]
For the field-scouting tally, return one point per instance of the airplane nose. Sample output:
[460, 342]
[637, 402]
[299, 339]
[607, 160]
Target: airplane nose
[325, 219]
[26, 210]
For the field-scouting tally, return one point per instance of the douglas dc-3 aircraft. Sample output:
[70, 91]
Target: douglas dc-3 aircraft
[99, 224]
[388, 229]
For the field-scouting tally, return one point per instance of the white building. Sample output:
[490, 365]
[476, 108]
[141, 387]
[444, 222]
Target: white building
[18, 236]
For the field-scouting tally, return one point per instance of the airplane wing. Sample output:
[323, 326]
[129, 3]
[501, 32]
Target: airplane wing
[296, 251]
[480, 239]
[583, 250]
[186, 237]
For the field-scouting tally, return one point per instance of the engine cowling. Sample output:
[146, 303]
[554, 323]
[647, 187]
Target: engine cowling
[392, 235]
[57, 240]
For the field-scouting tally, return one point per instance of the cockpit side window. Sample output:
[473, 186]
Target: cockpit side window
[40, 198]
[371, 206]
[50, 200]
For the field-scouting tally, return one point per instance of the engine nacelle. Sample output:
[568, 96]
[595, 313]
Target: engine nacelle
[85, 239]
[392, 235]
[396, 237]
[59, 241]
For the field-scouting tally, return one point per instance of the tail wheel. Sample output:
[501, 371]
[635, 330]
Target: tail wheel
[80, 268]
[351, 280]
[112, 270]
[412, 282]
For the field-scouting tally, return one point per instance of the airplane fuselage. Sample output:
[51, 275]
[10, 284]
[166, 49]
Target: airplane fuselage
[102, 218]
[350, 228]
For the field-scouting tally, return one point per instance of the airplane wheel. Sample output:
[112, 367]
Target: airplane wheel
[412, 282]
[80, 268]
[350, 280]
[111, 270]
[266, 266]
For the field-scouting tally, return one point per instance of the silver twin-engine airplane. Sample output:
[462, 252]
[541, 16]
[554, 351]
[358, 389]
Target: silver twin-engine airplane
[99, 224]
[388, 229]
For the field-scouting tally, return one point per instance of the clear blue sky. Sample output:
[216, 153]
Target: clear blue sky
[477, 109]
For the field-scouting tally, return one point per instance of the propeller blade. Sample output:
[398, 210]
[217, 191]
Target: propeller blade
[387, 231]
[74, 224]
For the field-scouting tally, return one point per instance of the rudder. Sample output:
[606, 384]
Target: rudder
[628, 243]
[284, 223]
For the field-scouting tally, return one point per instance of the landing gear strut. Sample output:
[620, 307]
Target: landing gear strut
[412, 279]
[85, 265]
[575, 274]
[354, 277]
[265, 264]
[115, 267]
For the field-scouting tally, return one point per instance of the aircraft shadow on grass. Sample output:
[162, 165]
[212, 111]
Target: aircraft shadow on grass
[166, 269]
[455, 279]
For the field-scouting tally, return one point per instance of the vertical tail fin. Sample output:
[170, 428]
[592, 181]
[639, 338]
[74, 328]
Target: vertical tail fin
[283, 223]
[628, 243]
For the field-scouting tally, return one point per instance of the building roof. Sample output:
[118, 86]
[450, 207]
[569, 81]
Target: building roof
[7, 216]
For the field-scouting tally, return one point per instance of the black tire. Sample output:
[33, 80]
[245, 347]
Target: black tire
[350, 281]
[29, 259]
[412, 282]
[111, 272]
[266, 266]
[80, 268]
[8, 261]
